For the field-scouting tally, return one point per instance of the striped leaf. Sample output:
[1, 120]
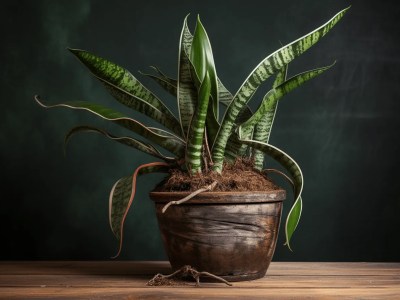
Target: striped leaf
[262, 129]
[168, 84]
[128, 141]
[293, 168]
[186, 90]
[233, 148]
[212, 124]
[270, 65]
[122, 195]
[270, 101]
[125, 88]
[174, 145]
[196, 130]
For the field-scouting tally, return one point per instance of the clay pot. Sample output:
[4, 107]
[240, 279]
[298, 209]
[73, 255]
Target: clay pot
[229, 234]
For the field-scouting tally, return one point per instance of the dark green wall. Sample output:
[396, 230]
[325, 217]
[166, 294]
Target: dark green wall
[342, 128]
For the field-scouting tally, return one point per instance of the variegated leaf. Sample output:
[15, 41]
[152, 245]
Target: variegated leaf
[186, 91]
[268, 105]
[270, 65]
[127, 89]
[122, 195]
[262, 128]
[125, 140]
[174, 145]
[293, 168]
[197, 127]
[165, 84]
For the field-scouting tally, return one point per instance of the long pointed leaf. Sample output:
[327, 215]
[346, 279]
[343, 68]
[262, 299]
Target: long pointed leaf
[203, 61]
[127, 89]
[186, 91]
[125, 140]
[293, 168]
[122, 195]
[270, 65]
[174, 145]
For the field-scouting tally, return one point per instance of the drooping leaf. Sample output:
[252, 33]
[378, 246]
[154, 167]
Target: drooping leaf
[122, 195]
[127, 89]
[125, 140]
[197, 127]
[293, 168]
[174, 145]
[270, 65]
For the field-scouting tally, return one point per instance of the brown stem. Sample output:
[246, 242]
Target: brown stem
[187, 198]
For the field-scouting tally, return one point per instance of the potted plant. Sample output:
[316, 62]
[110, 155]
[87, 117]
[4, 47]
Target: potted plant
[217, 211]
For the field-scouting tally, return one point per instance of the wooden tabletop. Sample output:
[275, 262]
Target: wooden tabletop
[127, 280]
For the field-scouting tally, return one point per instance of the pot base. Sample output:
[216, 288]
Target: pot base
[234, 240]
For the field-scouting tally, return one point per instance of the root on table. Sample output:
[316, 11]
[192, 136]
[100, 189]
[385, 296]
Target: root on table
[185, 271]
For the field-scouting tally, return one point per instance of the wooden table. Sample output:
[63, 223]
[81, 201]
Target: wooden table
[127, 280]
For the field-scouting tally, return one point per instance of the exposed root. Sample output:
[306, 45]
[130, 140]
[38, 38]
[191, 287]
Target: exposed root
[187, 198]
[185, 271]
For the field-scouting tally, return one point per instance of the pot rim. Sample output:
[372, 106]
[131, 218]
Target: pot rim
[222, 197]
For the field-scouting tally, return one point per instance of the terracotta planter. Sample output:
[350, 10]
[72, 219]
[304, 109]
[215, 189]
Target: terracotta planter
[230, 234]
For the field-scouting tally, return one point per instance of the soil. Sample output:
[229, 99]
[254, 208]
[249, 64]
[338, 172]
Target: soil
[239, 176]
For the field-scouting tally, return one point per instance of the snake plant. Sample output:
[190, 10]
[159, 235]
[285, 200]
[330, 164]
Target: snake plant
[199, 137]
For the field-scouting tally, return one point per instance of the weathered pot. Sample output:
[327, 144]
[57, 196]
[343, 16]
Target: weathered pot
[230, 234]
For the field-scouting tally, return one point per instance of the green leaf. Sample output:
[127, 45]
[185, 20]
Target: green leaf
[212, 124]
[197, 127]
[269, 103]
[175, 145]
[293, 168]
[270, 65]
[122, 195]
[165, 83]
[203, 61]
[265, 114]
[262, 129]
[125, 88]
[128, 141]
[186, 91]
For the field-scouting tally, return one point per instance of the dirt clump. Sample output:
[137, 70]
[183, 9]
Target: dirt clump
[239, 176]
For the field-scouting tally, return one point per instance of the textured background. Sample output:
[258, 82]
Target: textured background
[342, 127]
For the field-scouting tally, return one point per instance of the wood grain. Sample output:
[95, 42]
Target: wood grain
[127, 280]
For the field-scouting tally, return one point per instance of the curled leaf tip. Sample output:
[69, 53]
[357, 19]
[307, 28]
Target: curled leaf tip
[39, 101]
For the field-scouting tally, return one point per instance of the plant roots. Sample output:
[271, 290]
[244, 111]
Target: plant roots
[187, 198]
[185, 271]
